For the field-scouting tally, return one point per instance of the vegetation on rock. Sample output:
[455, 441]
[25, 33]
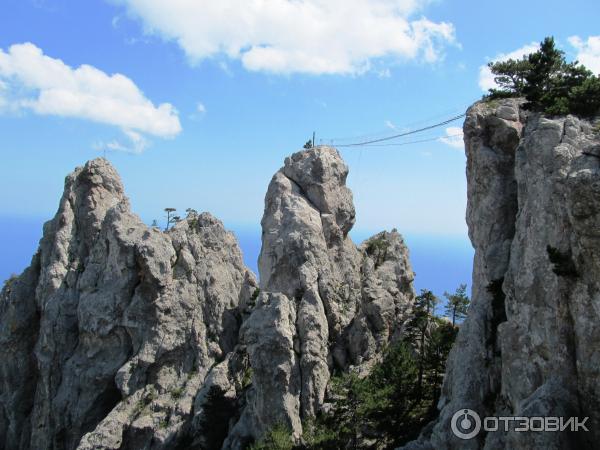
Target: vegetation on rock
[458, 303]
[171, 218]
[548, 82]
[388, 407]
[378, 248]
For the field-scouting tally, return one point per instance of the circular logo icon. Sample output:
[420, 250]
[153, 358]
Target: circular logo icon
[466, 424]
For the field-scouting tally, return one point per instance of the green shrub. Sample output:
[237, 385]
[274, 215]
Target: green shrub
[377, 249]
[177, 392]
[247, 377]
[255, 294]
[152, 394]
[278, 438]
[10, 280]
[144, 401]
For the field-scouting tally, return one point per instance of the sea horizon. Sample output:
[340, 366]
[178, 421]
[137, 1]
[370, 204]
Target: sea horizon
[440, 262]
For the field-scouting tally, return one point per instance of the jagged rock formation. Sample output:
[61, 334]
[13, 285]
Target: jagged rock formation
[107, 337]
[121, 336]
[529, 345]
[324, 303]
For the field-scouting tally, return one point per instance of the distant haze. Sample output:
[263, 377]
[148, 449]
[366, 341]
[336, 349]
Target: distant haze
[441, 263]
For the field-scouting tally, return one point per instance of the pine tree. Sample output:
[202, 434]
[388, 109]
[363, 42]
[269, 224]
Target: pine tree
[442, 336]
[171, 219]
[458, 304]
[543, 66]
[548, 82]
[418, 327]
[510, 77]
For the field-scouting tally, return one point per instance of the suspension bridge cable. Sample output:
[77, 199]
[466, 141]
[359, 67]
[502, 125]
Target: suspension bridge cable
[375, 135]
[400, 144]
[407, 133]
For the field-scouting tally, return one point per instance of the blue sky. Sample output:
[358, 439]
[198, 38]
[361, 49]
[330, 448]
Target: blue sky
[197, 103]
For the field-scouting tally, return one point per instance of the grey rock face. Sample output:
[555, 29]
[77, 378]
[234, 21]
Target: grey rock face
[107, 337]
[529, 345]
[120, 336]
[324, 302]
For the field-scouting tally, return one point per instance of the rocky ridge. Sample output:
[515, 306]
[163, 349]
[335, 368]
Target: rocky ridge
[121, 336]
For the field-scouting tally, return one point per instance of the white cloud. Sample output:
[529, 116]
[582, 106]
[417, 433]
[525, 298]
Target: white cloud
[47, 86]
[383, 73]
[198, 113]
[136, 145]
[3, 101]
[390, 125]
[486, 78]
[454, 138]
[588, 52]
[291, 36]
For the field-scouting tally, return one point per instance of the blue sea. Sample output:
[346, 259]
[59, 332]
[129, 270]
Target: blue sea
[441, 263]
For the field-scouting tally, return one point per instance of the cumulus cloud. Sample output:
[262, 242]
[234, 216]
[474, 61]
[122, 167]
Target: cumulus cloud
[290, 36]
[454, 138]
[588, 52]
[47, 86]
[486, 78]
[136, 144]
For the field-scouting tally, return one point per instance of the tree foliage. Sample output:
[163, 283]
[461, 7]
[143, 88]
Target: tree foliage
[278, 438]
[379, 411]
[390, 406]
[458, 304]
[418, 327]
[171, 218]
[548, 82]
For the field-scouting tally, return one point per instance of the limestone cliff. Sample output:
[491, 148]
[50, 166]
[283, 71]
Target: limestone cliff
[530, 344]
[107, 336]
[324, 302]
[121, 336]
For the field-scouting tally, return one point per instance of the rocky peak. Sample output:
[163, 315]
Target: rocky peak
[93, 189]
[325, 311]
[321, 175]
[89, 193]
[109, 335]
